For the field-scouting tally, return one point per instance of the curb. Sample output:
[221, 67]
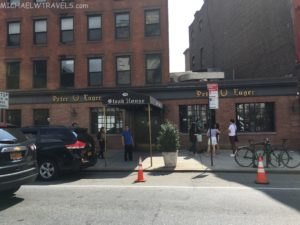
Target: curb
[192, 171]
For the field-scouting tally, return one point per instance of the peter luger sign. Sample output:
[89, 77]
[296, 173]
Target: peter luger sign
[75, 98]
[4, 98]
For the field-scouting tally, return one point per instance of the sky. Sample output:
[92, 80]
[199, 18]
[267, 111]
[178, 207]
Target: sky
[181, 15]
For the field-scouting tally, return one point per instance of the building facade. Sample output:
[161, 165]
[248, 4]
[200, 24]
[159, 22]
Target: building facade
[252, 41]
[58, 58]
[245, 39]
[59, 61]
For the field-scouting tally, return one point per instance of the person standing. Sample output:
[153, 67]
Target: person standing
[127, 142]
[232, 136]
[101, 139]
[212, 139]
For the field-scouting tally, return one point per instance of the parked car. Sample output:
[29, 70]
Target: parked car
[18, 163]
[60, 149]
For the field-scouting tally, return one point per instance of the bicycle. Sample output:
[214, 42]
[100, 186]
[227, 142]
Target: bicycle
[289, 157]
[247, 156]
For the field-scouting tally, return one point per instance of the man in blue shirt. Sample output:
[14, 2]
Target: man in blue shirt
[127, 142]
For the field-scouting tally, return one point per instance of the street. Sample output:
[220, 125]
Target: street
[165, 198]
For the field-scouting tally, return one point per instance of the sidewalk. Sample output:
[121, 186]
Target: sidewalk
[186, 162]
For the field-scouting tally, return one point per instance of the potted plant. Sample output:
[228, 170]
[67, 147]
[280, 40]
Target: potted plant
[168, 143]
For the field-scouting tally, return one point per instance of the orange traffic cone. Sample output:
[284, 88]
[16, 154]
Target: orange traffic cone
[140, 177]
[261, 177]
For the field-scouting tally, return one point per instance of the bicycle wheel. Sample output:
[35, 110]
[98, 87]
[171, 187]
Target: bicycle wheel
[243, 157]
[294, 158]
[279, 158]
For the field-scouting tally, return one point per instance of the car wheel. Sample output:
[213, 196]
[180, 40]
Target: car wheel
[9, 192]
[48, 169]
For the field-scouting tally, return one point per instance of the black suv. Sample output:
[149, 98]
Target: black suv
[17, 160]
[61, 149]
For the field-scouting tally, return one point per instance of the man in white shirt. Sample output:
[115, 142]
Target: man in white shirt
[232, 136]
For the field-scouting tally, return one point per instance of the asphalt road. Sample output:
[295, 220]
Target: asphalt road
[165, 198]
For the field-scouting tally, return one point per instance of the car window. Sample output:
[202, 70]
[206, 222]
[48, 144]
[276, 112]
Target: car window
[59, 133]
[12, 135]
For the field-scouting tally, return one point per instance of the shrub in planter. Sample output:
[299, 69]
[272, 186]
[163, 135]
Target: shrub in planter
[168, 143]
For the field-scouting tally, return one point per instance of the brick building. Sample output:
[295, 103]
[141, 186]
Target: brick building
[59, 61]
[252, 41]
[58, 58]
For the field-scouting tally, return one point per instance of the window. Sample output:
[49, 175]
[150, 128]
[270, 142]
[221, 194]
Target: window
[12, 75]
[192, 113]
[13, 116]
[40, 74]
[113, 122]
[40, 32]
[14, 33]
[67, 73]
[123, 70]
[66, 30]
[153, 68]
[152, 23]
[14, 2]
[95, 71]
[40, 117]
[122, 26]
[255, 117]
[94, 28]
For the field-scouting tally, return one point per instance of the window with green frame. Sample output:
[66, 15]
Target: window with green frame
[113, 122]
[255, 117]
[192, 113]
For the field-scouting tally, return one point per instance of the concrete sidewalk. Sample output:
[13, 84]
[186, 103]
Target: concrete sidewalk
[186, 162]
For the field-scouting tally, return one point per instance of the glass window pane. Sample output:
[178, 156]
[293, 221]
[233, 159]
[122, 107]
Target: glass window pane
[122, 20]
[67, 24]
[94, 22]
[95, 65]
[14, 28]
[153, 62]
[67, 66]
[123, 63]
[40, 26]
[152, 17]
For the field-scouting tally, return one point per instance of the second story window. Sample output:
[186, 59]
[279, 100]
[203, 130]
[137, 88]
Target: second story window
[40, 74]
[122, 26]
[67, 73]
[13, 75]
[95, 71]
[152, 23]
[40, 32]
[95, 28]
[14, 33]
[123, 70]
[67, 30]
[14, 2]
[153, 68]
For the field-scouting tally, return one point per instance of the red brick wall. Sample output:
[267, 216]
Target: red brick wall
[108, 48]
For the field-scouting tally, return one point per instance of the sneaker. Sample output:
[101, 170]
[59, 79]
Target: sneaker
[231, 155]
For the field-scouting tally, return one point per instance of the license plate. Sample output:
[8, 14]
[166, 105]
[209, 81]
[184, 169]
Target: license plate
[16, 155]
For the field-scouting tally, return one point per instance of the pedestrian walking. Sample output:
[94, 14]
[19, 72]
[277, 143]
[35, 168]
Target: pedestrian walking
[101, 136]
[127, 141]
[212, 139]
[232, 136]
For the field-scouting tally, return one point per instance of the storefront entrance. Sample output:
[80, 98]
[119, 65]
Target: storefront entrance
[141, 128]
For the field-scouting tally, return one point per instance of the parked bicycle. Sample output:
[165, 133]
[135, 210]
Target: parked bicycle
[276, 156]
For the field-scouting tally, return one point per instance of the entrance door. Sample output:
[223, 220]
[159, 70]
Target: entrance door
[141, 129]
